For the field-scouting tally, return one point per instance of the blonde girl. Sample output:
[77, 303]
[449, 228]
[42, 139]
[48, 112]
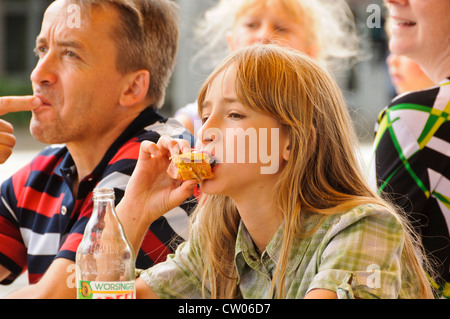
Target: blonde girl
[312, 229]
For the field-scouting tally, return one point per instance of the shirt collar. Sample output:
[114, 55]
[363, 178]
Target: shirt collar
[145, 118]
[245, 251]
[66, 168]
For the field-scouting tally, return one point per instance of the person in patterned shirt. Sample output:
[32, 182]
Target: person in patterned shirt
[99, 84]
[411, 162]
[310, 228]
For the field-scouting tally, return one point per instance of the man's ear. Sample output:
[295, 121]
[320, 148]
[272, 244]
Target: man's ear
[135, 88]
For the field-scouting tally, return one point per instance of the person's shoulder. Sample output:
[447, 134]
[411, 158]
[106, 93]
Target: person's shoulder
[366, 216]
[49, 158]
[170, 127]
[426, 97]
[53, 150]
[191, 110]
[40, 167]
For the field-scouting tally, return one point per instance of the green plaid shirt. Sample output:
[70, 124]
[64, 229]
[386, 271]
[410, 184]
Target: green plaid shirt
[355, 254]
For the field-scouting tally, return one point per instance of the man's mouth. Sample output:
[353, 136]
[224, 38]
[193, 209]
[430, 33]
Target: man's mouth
[45, 102]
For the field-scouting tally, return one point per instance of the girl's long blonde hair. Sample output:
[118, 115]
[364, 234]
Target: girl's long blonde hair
[322, 175]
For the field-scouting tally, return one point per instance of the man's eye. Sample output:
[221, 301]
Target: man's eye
[70, 54]
[39, 51]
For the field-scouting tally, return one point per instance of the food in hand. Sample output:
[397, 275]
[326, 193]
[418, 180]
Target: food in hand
[193, 165]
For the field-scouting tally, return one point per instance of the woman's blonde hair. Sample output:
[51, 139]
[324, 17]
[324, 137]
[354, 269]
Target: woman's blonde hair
[328, 25]
[321, 176]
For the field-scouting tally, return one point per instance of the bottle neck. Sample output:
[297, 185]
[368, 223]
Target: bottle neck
[103, 194]
[103, 206]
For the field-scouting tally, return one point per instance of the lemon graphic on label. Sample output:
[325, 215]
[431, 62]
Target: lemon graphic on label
[85, 289]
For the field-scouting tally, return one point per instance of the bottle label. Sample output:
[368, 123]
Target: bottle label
[106, 289]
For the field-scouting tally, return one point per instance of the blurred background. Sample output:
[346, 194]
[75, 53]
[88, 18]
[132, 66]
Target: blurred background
[366, 86]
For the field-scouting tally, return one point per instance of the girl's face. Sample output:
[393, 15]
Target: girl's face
[249, 145]
[269, 24]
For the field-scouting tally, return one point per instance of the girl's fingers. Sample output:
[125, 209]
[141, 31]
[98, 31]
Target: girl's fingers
[173, 146]
[179, 194]
[150, 149]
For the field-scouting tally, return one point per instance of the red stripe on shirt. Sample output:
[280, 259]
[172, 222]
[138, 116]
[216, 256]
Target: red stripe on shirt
[72, 241]
[129, 151]
[11, 244]
[45, 164]
[41, 203]
[154, 248]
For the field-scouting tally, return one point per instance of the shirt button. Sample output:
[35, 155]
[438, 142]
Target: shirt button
[63, 210]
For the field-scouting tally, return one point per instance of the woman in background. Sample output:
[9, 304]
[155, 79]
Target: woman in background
[412, 144]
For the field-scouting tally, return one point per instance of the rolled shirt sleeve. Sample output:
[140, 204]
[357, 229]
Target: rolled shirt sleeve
[360, 256]
[180, 276]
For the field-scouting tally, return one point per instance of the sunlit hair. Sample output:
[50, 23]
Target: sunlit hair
[322, 174]
[329, 26]
[146, 37]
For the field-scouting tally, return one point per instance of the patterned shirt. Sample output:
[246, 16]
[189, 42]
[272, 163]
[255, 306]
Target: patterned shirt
[355, 254]
[412, 165]
[40, 219]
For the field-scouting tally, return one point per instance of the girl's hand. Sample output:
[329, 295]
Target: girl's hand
[151, 192]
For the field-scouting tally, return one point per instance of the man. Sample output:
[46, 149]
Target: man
[99, 80]
[413, 134]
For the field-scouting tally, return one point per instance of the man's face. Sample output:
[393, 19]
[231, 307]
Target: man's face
[75, 77]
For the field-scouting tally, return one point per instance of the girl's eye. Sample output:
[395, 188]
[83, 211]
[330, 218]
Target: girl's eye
[204, 119]
[236, 116]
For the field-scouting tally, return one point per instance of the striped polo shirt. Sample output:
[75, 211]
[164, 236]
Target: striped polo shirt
[40, 220]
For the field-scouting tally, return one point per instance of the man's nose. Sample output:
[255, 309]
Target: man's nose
[45, 71]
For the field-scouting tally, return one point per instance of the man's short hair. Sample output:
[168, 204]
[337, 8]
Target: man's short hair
[146, 36]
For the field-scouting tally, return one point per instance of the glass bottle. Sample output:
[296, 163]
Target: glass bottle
[105, 263]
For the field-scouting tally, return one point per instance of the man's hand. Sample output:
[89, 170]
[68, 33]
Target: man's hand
[57, 283]
[7, 105]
